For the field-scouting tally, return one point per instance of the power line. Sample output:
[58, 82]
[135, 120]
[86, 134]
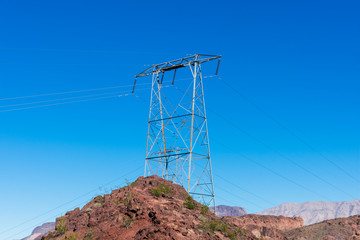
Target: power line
[64, 204]
[313, 174]
[233, 203]
[283, 156]
[243, 199]
[242, 189]
[89, 90]
[52, 217]
[127, 93]
[227, 200]
[287, 129]
[69, 92]
[140, 98]
[45, 220]
[53, 104]
[61, 99]
[274, 172]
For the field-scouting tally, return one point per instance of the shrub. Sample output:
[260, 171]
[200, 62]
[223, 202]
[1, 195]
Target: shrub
[214, 225]
[189, 202]
[73, 237]
[202, 218]
[223, 227]
[157, 191]
[99, 200]
[189, 205]
[127, 221]
[166, 189]
[116, 201]
[211, 226]
[240, 232]
[128, 183]
[50, 235]
[231, 235]
[189, 198]
[89, 236]
[204, 209]
[128, 197]
[60, 227]
[219, 226]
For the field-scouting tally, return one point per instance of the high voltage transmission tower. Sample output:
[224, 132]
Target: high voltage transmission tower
[177, 140]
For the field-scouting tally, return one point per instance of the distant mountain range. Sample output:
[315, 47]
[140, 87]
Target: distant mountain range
[40, 231]
[310, 212]
[223, 210]
[314, 212]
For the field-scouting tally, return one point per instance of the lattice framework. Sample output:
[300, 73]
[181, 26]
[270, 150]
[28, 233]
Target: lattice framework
[177, 141]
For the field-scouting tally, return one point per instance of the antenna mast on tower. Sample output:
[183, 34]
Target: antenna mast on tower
[177, 140]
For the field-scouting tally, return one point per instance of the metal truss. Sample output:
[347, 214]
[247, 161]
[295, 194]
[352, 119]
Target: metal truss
[177, 141]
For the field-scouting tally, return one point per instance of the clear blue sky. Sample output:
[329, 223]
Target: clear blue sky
[297, 60]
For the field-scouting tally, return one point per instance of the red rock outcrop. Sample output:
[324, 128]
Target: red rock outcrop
[268, 227]
[134, 212]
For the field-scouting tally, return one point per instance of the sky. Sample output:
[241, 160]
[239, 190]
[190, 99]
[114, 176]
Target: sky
[286, 130]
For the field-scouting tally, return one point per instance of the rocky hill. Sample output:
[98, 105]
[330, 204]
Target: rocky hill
[313, 212]
[149, 208]
[153, 208]
[223, 210]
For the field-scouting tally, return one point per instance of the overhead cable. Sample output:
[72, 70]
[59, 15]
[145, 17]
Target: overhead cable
[287, 129]
[71, 201]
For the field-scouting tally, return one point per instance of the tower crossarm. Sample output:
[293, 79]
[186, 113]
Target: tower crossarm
[175, 64]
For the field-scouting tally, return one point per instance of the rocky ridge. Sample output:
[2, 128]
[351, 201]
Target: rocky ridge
[266, 227]
[316, 211]
[340, 228]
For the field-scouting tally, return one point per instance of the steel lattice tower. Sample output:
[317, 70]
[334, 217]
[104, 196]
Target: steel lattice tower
[177, 140]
